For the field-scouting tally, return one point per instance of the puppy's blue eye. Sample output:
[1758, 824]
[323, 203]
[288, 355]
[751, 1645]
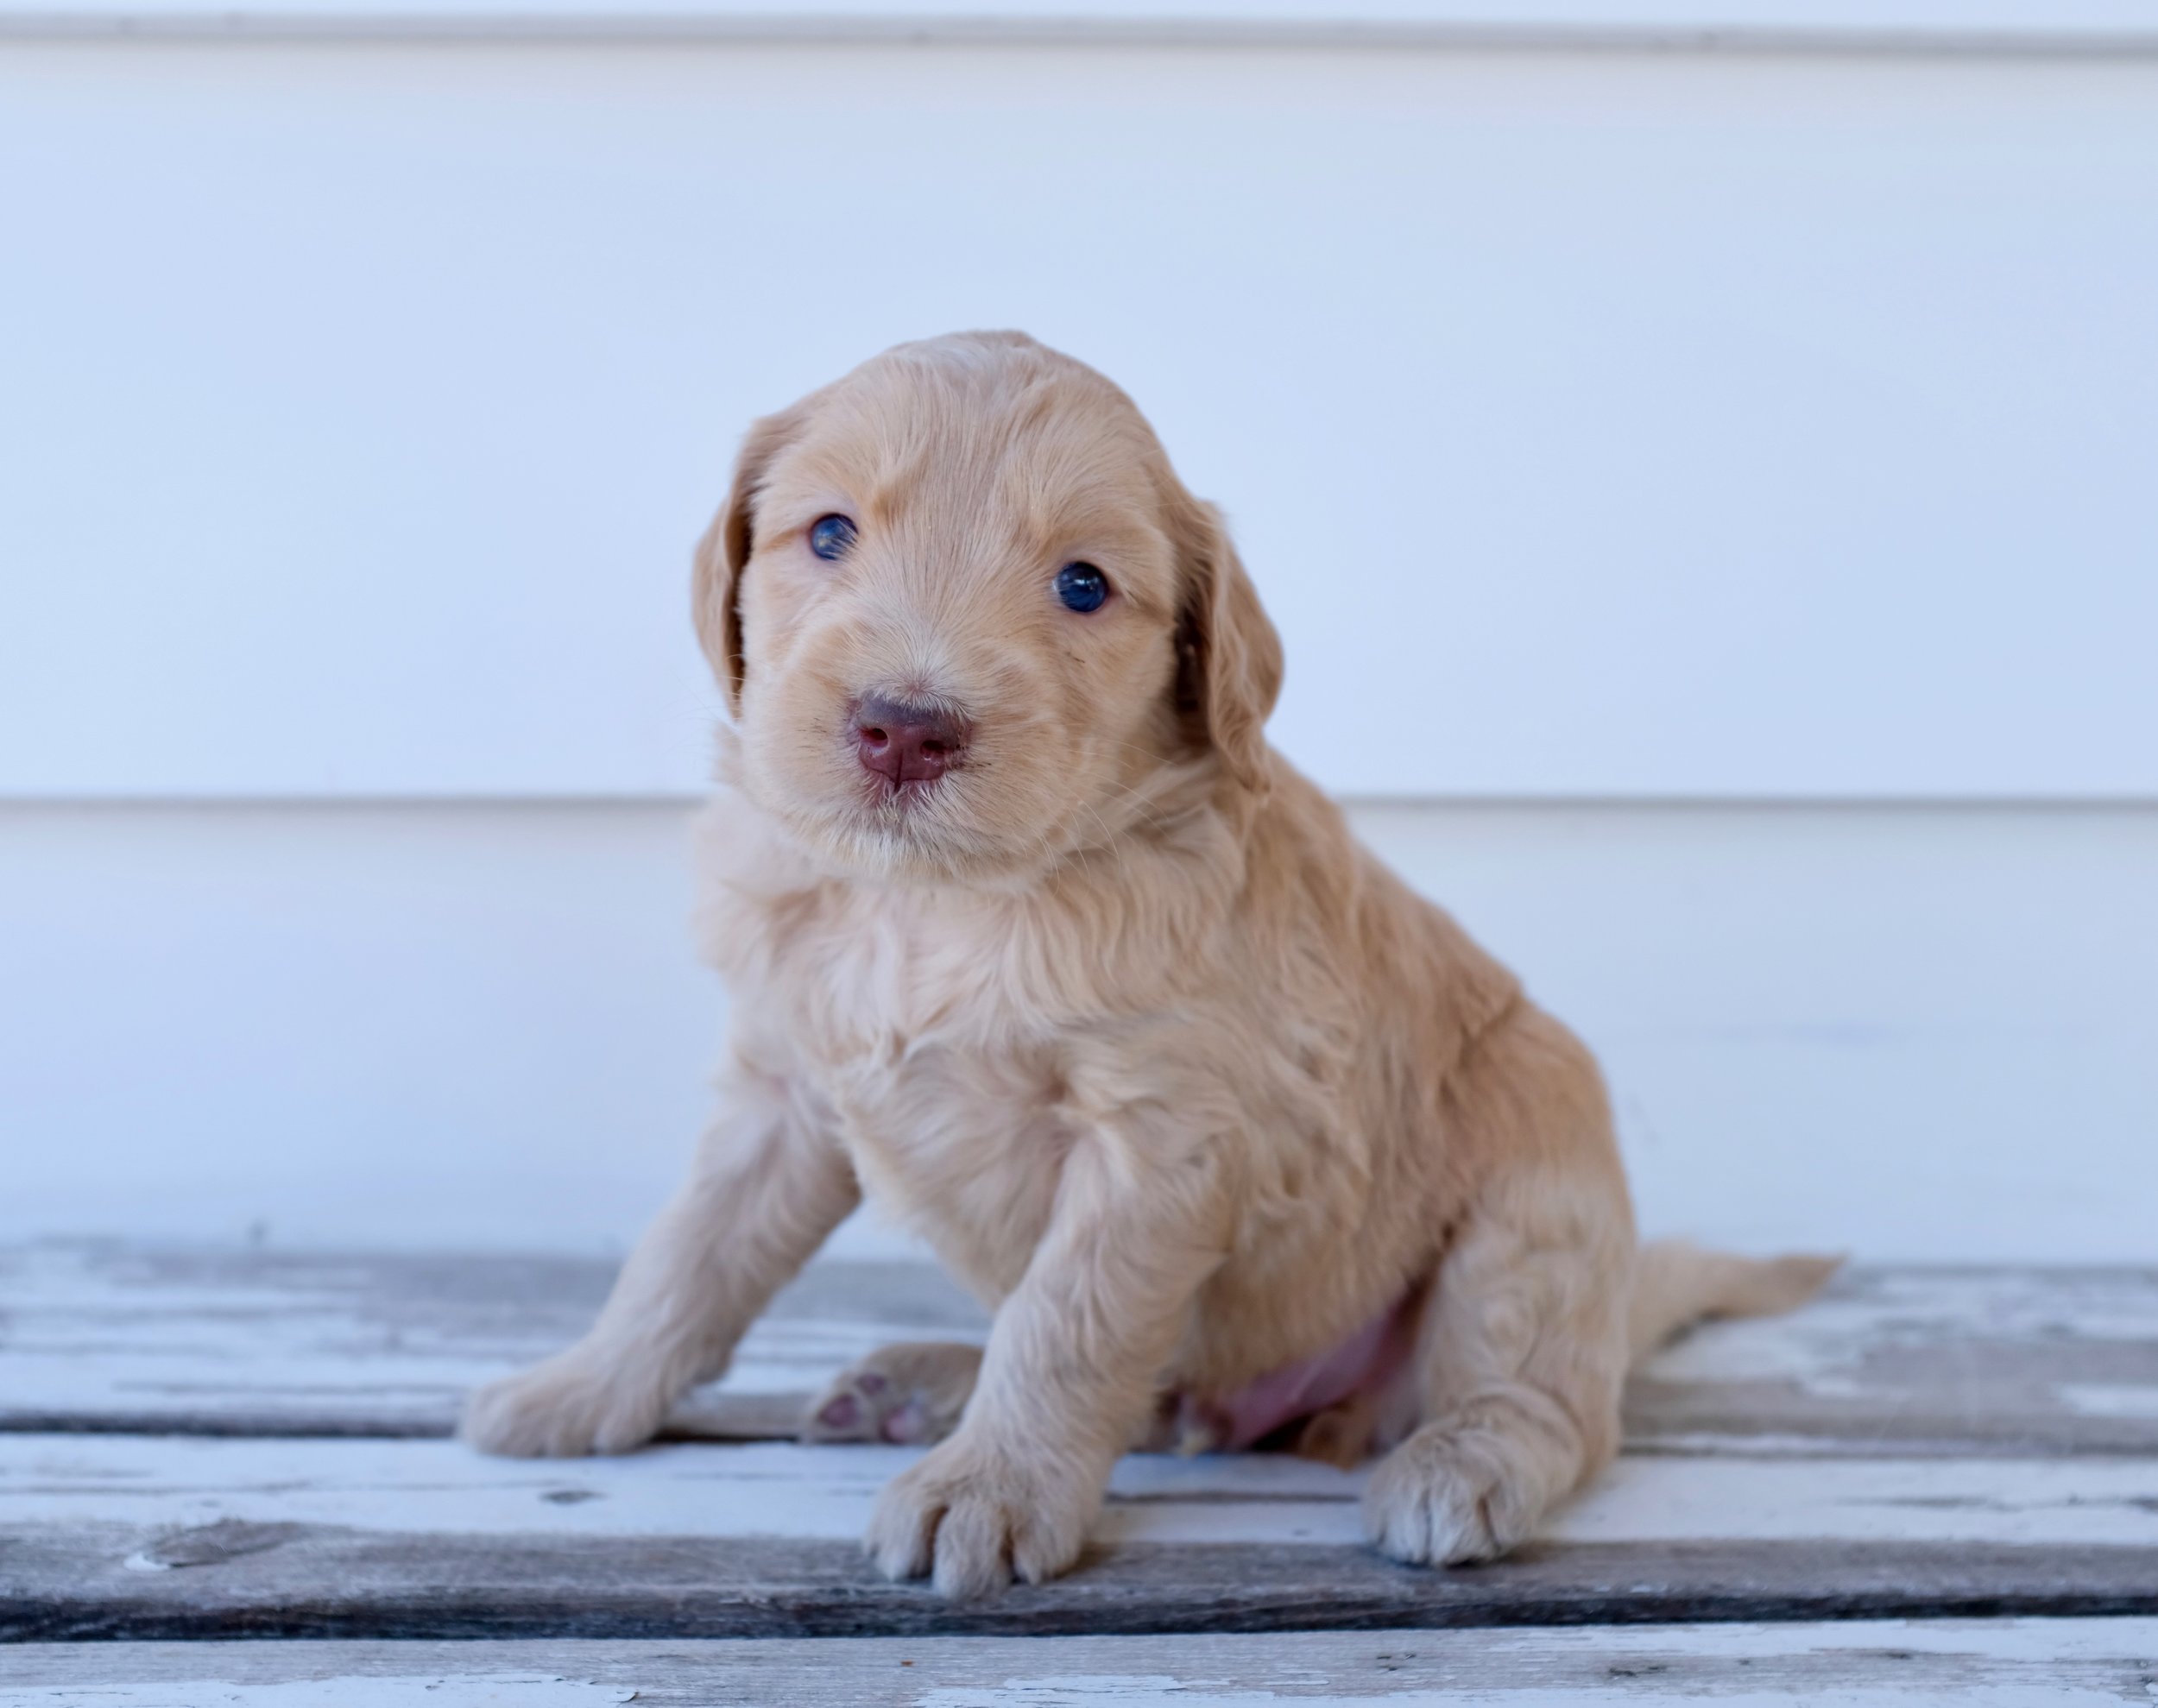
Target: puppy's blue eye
[1081, 587]
[831, 536]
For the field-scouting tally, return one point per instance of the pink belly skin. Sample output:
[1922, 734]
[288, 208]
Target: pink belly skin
[1365, 1363]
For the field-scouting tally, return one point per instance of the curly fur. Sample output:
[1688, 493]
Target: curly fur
[1117, 1014]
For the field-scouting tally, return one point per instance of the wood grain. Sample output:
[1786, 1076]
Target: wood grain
[326, 1584]
[204, 1445]
[108, 1336]
[142, 1537]
[92, 1337]
[758, 1490]
[2055, 1661]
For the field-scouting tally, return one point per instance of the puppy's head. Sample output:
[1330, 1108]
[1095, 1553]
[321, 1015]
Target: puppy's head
[968, 620]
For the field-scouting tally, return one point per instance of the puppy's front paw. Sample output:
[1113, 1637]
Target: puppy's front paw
[568, 1406]
[1460, 1490]
[974, 1515]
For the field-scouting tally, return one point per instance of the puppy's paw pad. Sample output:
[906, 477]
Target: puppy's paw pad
[854, 1408]
[909, 1396]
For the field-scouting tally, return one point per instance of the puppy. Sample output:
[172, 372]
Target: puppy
[1032, 935]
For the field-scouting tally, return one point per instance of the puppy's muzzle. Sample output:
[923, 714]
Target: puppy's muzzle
[902, 741]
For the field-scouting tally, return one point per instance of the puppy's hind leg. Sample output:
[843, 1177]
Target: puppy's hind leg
[1524, 1350]
[1341, 1434]
[911, 1393]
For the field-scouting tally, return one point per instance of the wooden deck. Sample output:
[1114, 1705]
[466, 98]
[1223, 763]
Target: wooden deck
[1930, 1485]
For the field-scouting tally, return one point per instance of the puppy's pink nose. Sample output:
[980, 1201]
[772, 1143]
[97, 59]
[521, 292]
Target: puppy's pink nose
[903, 742]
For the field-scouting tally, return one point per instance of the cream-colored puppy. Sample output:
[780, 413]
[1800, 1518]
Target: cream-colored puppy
[1032, 936]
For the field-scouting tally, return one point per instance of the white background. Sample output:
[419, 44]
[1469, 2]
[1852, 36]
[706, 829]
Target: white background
[1707, 492]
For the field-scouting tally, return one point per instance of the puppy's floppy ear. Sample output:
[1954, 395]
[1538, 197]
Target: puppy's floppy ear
[1229, 656]
[715, 593]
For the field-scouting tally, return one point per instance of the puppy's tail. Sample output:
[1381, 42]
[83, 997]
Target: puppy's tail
[1676, 1284]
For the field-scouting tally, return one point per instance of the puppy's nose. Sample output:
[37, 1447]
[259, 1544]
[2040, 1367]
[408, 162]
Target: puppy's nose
[903, 742]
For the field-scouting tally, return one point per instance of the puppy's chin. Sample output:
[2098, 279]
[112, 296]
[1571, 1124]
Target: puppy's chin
[861, 829]
[920, 833]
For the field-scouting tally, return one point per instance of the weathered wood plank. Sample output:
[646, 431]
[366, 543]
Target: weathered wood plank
[1921, 1360]
[104, 1336]
[2001, 1663]
[353, 1585]
[110, 1337]
[144, 1537]
[824, 1493]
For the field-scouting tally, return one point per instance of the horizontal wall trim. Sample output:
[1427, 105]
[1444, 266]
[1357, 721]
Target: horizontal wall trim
[677, 801]
[2095, 28]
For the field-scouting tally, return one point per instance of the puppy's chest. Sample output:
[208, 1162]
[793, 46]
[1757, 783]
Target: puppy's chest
[964, 1145]
[944, 1073]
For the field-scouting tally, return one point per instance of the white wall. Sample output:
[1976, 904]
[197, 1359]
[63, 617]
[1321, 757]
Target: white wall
[1916, 1032]
[1643, 424]
[1694, 481]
